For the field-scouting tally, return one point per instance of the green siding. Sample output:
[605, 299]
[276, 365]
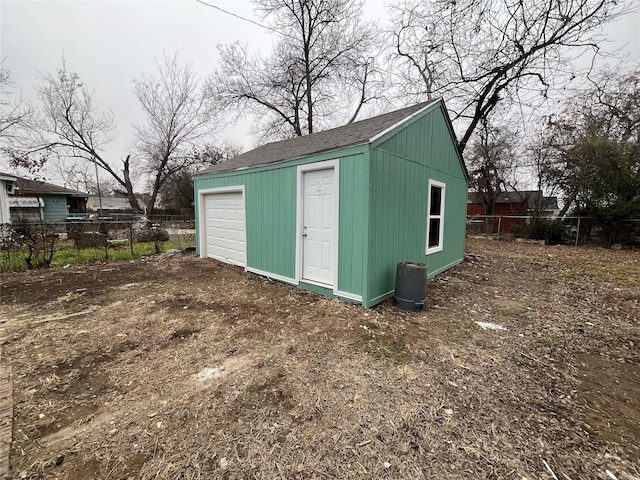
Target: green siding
[270, 217]
[401, 167]
[55, 208]
[270, 210]
[327, 292]
[353, 224]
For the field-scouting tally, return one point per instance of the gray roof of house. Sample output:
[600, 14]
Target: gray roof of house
[6, 176]
[110, 203]
[36, 187]
[349, 135]
[530, 197]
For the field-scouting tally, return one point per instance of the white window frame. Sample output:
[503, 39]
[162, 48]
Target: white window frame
[439, 247]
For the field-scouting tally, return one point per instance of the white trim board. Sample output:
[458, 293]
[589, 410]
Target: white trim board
[317, 284]
[348, 296]
[404, 120]
[280, 278]
[442, 217]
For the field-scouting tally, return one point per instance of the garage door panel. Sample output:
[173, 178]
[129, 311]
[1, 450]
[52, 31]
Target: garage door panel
[225, 227]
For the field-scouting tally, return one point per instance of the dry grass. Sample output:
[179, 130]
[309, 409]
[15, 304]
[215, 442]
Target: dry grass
[186, 368]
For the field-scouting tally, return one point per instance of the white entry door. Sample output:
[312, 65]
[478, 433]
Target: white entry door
[318, 235]
[225, 227]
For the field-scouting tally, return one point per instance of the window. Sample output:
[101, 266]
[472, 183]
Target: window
[435, 217]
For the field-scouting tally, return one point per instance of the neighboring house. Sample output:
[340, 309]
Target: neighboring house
[524, 202]
[335, 211]
[7, 184]
[514, 204]
[35, 201]
[109, 205]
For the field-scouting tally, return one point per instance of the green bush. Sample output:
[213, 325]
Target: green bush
[553, 232]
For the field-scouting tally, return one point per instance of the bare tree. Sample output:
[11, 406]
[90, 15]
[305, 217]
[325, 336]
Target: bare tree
[482, 53]
[179, 117]
[492, 161]
[70, 127]
[177, 192]
[615, 99]
[417, 50]
[75, 175]
[541, 157]
[14, 113]
[596, 145]
[320, 66]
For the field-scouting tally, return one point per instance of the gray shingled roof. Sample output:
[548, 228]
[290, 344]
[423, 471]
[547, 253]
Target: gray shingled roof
[530, 197]
[356, 133]
[6, 176]
[35, 187]
[110, 203]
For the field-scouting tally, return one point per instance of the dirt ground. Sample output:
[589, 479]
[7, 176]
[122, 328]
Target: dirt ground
[188, 368]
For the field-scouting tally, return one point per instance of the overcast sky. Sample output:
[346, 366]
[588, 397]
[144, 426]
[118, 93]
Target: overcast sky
[110, 43]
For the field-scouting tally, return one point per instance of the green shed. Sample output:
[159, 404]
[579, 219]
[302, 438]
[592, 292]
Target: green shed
[334, 212]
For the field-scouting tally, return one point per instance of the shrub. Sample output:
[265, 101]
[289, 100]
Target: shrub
[553, 232]
[38, 244]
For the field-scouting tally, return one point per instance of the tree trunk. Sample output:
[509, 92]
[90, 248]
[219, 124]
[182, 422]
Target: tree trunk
[133, 201]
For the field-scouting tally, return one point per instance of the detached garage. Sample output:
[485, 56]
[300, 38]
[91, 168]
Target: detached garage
[335, 211]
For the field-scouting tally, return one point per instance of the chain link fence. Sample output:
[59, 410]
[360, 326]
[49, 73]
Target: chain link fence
[567, 230]
[34, 245]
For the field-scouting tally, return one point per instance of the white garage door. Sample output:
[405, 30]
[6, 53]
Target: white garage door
[225, 227]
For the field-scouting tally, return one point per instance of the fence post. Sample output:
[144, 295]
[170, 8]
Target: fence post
[499, 225]
[578, 232]
[131, 237]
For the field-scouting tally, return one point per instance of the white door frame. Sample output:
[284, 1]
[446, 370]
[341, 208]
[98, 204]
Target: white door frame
[302, 169]
[202, 216]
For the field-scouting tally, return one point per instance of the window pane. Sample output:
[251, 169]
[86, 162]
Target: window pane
[434, 232]
[436, 200]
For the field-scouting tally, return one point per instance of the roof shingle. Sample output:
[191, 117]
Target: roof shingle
[35, 187]
[349, 135]
[530, 197]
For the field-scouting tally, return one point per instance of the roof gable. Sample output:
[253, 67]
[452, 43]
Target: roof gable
[357, 133]
[433, 107]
